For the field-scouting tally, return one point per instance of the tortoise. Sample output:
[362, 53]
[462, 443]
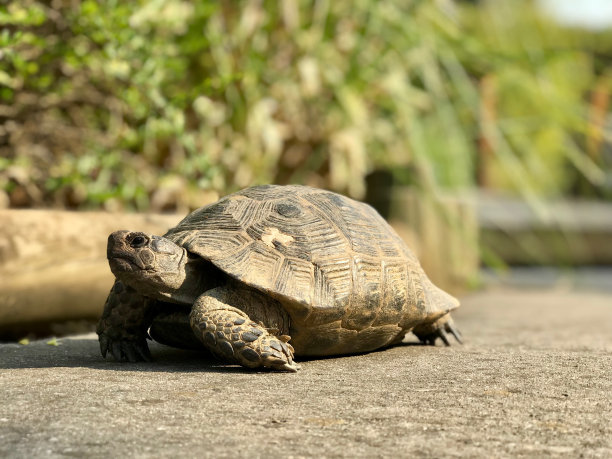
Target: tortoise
[266, 273]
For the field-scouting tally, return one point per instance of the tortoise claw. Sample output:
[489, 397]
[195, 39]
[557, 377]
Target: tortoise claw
[443, 337]
[116, 351]
[430, 333]
[125, 350]
[104, 342]
[143, 351]
[453, 331]
[129, 352]
[292, 367]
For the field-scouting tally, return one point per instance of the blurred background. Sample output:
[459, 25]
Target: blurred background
[480, 129]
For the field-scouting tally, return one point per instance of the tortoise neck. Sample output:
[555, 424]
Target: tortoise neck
[200, 275]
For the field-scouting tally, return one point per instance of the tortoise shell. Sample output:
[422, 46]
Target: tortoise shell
[326, 257]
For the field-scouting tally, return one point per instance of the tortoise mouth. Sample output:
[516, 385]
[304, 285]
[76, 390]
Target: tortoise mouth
[123, 264]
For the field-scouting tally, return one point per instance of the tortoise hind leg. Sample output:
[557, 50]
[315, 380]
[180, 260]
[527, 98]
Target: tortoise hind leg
[428, 333]
[219, 320]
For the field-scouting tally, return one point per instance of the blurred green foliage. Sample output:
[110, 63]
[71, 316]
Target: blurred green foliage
[164, 103]
[550, 91]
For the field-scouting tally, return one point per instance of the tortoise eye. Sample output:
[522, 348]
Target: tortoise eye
[138, 241]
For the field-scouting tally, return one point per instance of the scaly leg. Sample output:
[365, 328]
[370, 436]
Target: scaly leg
[122, 329]
[219, 321]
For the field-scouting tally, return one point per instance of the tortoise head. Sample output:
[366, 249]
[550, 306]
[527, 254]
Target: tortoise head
[153, 265]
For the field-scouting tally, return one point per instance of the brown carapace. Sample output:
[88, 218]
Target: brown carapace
[303, 270]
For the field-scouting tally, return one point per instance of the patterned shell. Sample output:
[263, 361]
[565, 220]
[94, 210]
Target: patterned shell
[325, 253]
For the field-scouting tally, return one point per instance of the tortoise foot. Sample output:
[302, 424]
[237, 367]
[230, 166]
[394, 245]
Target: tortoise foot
[429, 333]
[122, 327]
[268, 352]
[232, 336]
[125, 349]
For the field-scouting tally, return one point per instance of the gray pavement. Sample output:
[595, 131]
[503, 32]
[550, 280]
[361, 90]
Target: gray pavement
[534, 379]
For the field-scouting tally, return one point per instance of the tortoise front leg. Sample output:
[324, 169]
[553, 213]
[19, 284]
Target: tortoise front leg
[219, 321]
[122, 329]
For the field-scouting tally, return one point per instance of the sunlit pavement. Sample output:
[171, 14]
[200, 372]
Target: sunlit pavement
[533, 379]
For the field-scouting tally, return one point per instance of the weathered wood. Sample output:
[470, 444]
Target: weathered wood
[554, 233]
[443, 231]
[53, 263]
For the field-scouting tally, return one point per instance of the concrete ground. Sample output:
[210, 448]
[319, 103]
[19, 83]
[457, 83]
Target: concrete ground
[534, 379]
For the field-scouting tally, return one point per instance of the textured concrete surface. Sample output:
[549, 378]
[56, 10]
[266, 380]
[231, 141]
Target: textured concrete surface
[534, 379]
